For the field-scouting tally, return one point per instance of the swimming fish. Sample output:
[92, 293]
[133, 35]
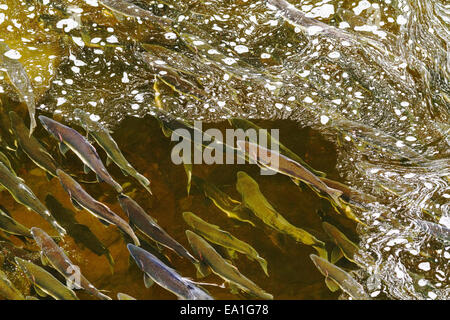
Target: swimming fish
[286, 166]
[142, 221]
[156, 271]
[44, 282]
[23, 195]
[53, 254]
[253, 199]
[223, 238]
[82, 200]
[31, 146]
[104, 139]
[70, 138]
[222, 268]
[20, 81]
[335, 276]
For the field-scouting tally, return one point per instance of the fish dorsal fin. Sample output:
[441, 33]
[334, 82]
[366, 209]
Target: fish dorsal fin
[86, 169]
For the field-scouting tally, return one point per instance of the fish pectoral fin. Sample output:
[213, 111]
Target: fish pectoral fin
[76, 204]
[63, 148]
[296, 181]
[124, 172]
[148, 282]
[39, 291]
[49, 175]
[234, 289]
[232, 254]
[336, 255]
[100, 179]
[331, 284]
[202, 270]
[108, 161]
[105, 223]
[86, 169]
[44, 260]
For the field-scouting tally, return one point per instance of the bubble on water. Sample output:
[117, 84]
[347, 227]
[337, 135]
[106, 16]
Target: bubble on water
[344, 25]
[425, 266]
[67, 24]
[432, 295]
[60, 101]
[308, 100]
[78, 41]
[112, 39]
[313, 30]
[362, 5]
[241, 49]
[94, 117]
[93, 3]
[323, 11]
[324, 119]
[229, 61]
[12, 54]
[125, 78]
[401, 20]
[170, 36]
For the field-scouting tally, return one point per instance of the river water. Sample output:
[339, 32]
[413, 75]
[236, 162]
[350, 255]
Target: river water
[359, 89]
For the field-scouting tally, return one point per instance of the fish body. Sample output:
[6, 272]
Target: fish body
[59, 260]
[81, 199]
[341, 278]
[222, 200]
[23, 195]
[245, 124]
[222, 268]
[20, 81]
[11, 226]
[8, 290]
[165, 276]
[258, 204]
[31, 146]
[286, 166]
[142, 221]
[45, 281]
[129, 9]
[348, 248]
[81, 147]
[104, 139]
[223, 238]
[437, 230]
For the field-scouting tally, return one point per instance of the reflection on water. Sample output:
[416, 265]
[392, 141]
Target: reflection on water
[367, 103]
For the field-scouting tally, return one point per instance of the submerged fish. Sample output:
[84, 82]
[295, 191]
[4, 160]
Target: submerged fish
[8, 290]
[82, 200]
[5, 160]
[20, 81]
[104, 139]
[222, 268]
[142, 221]
[347, 247]
[286, 166]
[79, 232]
[335, 276]
[124, 296]
[31, 146]
[23, 195]
[253, 199]
[44, 282]
[222, 200]
[53, 254]
[437, 230]
[166, 277]
[223, 238]
[245, 124]
[11, 226]
[70, 138]
[129, 9]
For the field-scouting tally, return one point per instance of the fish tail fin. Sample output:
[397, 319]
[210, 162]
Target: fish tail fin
[263, 263]
[322, 252]
[144, 182]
